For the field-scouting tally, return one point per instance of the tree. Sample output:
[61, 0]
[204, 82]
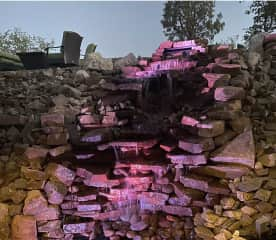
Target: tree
[264, 19]
[184, 20]
[15, 40]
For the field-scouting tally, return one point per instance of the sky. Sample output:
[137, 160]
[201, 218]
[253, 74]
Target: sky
[116, 27]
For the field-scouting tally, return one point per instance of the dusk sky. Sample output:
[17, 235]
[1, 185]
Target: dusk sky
[116, 27]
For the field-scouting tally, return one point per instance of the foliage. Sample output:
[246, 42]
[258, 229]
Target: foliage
[15, 40]
[184, 20]
[264, 17]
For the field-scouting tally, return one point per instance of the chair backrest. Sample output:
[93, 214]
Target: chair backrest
[71, 43]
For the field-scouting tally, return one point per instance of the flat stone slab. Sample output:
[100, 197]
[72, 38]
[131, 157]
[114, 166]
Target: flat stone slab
[196, 145]
[240, 150]
[210, 128]
[228, 93]
[250, 185]
[205, 184]
[79, 227]
[53, 119]
[179, 210]
[188, 194]
[221, 171]
[186, 159]
[232, 69]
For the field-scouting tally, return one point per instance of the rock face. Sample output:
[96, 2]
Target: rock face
[240, 150]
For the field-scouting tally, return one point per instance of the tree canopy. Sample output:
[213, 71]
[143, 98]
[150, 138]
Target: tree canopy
[184, 20]
[264, 17]
[15, 40]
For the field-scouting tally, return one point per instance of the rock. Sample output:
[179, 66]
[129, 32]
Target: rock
[204, 232]
[244, 196]
[241, 124]
[9, 120]
[101, 180]
[224, 94]
[24, 227]
[186, 195]
[210, 128]
[89, 206]
[253, 59]
[139, 226]
[81, 76]
[250, 185]
[179, 210]
[224, 138]
[51, 228]
[36, 152]
[13, 134]
[185, 159]
[248, 210]
[256, 43]
[270, 184]
[53, 119]
[97, 135]
[89, 119]
[57, 139]
[154, 198]
[236, 214]
[196, 145]
[240, 150]
[15, 209]
[69, 91]
[263, 195]
[264, 207]
[129, 72]
[223, 235]
[4, 221]
[54, 152]
[232, 69]
[33, 174]
[202, 183]
[262, 225]
[55, 191]
[85, 227]
[221, 171]
[216, 80]
[268, 160]
[189, 121]
[128, 60]
[60, 173]
[36, 205]
[60, 100]
[95, 61]
[227, 203]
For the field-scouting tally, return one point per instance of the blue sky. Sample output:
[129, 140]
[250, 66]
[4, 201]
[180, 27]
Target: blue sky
[116, 27]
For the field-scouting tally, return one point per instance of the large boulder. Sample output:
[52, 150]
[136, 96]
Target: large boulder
[128, 60]
[95, 61]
